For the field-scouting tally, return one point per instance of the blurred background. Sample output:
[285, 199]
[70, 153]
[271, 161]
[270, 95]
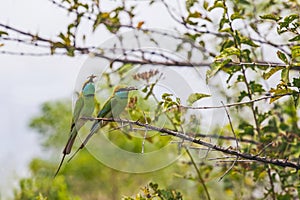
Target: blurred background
[26, 82]
[37, 92]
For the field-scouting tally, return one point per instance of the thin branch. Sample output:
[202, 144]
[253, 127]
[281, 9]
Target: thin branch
[271, 183]
[84, 51]
[34, 37]
[91, 50]
[237, 144]
[250, 96]
[231, 126]
[234, 104]
[221, 158]
[26, 42]
[263, 149]
[13, 53]
[198, 173]
[229, 161]
[93, 17]
[278, 162]
[222, 137]
[145, 134]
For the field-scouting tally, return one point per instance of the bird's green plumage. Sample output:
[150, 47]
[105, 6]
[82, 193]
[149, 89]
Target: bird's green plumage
[84, 107]
[113, 107]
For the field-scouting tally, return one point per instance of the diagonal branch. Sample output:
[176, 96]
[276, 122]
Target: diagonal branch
[235, 104]
[237, 144]
[168, 61]
[278, 162]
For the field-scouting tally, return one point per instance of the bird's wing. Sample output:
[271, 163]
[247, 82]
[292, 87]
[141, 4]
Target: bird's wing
[105, 109]
[78, 107]
[73, 132]
[104, 112]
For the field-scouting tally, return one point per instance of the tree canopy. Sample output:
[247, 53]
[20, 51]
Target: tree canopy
[250, 54]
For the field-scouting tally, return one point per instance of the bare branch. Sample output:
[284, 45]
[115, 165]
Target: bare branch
[235, 104]
[198, 173]
[278, 162]
[13, 53]
[222, 137]
[237, 144]
[36, 40]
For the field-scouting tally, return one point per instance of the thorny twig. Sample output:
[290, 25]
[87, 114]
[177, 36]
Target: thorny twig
[237, 144]
[229, 151]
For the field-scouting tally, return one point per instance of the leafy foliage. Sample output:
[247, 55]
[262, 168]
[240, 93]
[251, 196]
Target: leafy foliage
[238, 39]
[195, 97]
[153, 192]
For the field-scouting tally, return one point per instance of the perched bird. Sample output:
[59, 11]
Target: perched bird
[84, 107]
[113, 107]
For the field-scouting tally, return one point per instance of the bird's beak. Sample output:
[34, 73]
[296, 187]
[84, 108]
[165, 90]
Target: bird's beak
[131, 88]
[91, 77]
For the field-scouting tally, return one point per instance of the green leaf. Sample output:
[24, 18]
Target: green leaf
[145, 89]
[71, 51]
[246, 129]
[291, 18]
[195, 97]
[195, 15]
[271, 127]
[205, 5]
[280, 91]
[227, 43]
[3, 33]
[125, 68]
[296, 82]
[245, 2]
[242, 95]
[295, 52]
[97, 21]
[223, 21]
[165, 95]
[111, 23]
[272, 71]
[240, 78]
[296, 95]
[294, 39]
[271, 17]
[296, 98]
[285, 75]
[248, 41]
[226, 30]
[190, 3]
[215, 67]
[288, 24]
[255, 87]
[229, 52]
[217, 4]
[282, 57]
[58, 45]
[246, 56]
[236, 15]
[263, 116]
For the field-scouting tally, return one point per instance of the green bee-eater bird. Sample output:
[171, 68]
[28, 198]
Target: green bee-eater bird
[113, 107]
[84, 107]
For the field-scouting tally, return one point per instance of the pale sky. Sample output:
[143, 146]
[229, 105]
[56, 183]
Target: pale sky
[27, 82]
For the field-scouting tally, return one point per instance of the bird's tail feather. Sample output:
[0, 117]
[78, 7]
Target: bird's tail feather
[60, 164]
[70, 142]
[94, 129]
